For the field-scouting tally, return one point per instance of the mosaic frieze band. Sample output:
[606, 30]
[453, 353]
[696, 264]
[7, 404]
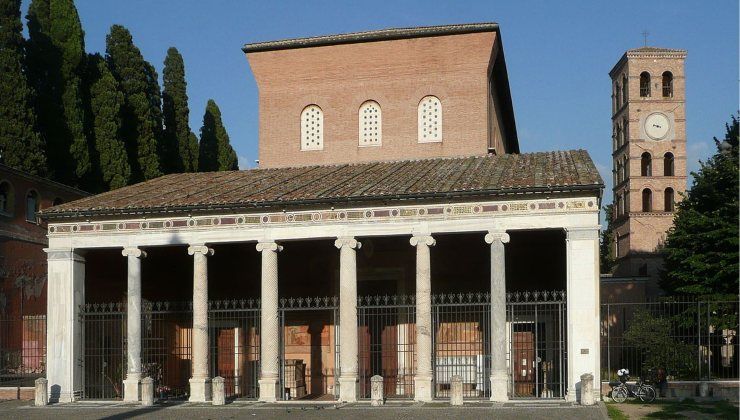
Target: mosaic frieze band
[317, 217]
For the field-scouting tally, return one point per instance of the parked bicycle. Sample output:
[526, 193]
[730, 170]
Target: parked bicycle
[621, 391]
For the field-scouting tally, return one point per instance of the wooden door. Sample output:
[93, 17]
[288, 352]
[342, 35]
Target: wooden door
[524, 365]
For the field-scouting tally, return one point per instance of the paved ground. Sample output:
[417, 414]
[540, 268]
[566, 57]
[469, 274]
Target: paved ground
[395, 411]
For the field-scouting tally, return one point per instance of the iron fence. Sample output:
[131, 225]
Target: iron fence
[166, 338]
[22, 349]
[685, 339]
[387, 341]
[537, 344]
[103, 365]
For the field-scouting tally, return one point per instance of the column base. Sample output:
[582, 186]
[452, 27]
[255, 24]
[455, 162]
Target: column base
[571, 395]
[200, 390]
[132, 388]
[423, 388]
[348, 389]
[268, 391]
[499, 386]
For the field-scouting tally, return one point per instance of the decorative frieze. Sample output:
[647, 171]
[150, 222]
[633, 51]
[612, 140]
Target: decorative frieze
[327, 217]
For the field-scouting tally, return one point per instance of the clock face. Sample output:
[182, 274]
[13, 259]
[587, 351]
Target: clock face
[657, 126]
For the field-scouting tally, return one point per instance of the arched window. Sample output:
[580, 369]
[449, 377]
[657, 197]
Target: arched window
[625, 88]
[57, 201]
[668, 169]
[618, 89]
[312, 128]
[6, 198]
[430, 119]
[647, 200]
[644, 84]
[626, 130]
[625, 167]
[667, 84]
[615, 144]
[371, 124]
[669, 202]
[620, 209]
[626, 202]
[619, 135]
[32, 205]
[614, 99]
[646, 165]
[618, 173]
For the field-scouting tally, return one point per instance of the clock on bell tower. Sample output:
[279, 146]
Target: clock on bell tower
[648, 156]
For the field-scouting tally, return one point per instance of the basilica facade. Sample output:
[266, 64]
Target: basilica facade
[391, 229]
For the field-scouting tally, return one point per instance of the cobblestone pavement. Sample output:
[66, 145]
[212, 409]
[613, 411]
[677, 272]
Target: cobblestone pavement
[243, 410]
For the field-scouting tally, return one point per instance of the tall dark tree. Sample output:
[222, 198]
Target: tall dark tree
[216, 153]
[177, 139]
[106, 102]
[56, 62]
[701, 249]
[20, 144]
[142, 116]
[606, 243]
[194, 151]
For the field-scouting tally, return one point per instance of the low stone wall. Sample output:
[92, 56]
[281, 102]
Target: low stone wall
[17, 393]
[718, 390]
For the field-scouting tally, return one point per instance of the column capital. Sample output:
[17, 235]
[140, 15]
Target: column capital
[349, 241]
[63, 254]
[576, 233]
[497, 235]
[200, 249]
[133, 252]
[269, 246]
[427, 240]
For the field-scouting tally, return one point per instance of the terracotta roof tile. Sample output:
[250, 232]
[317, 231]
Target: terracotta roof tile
[440, 177]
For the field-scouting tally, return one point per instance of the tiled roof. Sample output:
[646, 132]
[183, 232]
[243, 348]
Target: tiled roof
[336, 184]
[369, 36]
[655, 50]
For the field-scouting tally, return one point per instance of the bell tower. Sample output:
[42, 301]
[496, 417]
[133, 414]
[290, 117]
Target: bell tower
[648, 156]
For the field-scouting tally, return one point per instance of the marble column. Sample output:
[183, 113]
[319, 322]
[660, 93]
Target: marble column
[424, 349]
[66, 292]
[270, 324]
[131, 385]
[348, 318]
[200, 382]
[499, 373]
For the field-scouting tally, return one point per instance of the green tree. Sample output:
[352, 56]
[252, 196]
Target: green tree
[606, 244]
[56, 63]
[176, 114]
[20, 145]
[216, 153]
[106, 102]
[701, 249]
[142, 117]
[194, 151]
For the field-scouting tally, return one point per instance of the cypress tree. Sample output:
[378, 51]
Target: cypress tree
[176, 114]
[194, 151]
[56, 60]
[216, 153]
[106, 102]
[142, 119]
[20, 144]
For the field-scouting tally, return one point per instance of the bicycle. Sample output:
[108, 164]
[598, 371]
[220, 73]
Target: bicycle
[641, 390]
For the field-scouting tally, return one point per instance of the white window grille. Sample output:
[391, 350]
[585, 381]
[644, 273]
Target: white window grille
[312, 128]
[371, 124]
[430, 119]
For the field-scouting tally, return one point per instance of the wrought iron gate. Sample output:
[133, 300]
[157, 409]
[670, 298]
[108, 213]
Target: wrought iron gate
[387, 341]
[462, 329]
[537, 327]
[104, 363]
[309, 345]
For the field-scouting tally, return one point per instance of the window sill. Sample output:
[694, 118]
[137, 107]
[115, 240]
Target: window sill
[362, 146]
[429, 141]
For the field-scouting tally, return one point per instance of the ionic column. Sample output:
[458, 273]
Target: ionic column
[200, 383]
[499, 374]
[347, 318]
[270, 324]
[131, 385]
[423, 377]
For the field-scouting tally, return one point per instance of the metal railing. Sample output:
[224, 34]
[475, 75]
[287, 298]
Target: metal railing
[689, 339]
[22, 349]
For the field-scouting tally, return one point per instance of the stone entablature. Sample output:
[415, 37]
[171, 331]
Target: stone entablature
[331, 216]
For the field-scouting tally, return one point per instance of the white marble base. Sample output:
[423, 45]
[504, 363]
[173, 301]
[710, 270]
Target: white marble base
[131, 390]
[456, 390]
[219, 394]
[348, 389]
[499, 386]
[200, 390]
[423, 388]
[268, 390]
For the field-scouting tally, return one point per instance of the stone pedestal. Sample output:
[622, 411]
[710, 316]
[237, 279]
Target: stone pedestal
[704, 389]
[268, 390]
[131, 388]
[147, 392]
[424, 348]
[587, 389]
[348, 318]
[219, 394]
[456, 390]
[376, 391]
[42, 392]
[200, 390]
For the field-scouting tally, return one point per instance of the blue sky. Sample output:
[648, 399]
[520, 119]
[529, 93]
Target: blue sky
[558, 54]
